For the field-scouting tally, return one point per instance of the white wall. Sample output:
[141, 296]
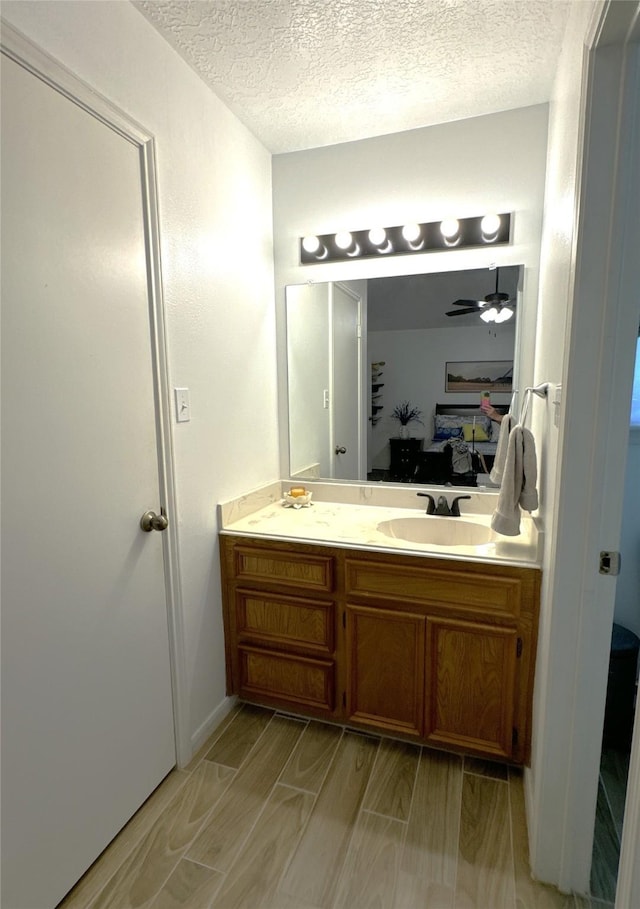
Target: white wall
[415, 370]
[215, 212]
[460, 169]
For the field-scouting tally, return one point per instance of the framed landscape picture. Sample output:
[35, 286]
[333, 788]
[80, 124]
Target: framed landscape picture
[479, 375]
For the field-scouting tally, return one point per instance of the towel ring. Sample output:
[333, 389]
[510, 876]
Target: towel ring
[539, 390]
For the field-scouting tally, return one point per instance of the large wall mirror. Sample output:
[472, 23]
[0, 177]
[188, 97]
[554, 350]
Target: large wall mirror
[359, 350]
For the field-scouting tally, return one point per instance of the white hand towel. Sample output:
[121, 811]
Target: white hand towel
[507, 424]
[518, 488]
[529, 494]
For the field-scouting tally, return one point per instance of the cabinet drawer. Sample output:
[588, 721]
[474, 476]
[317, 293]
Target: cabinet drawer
[285, 677]
[286, 620]
[293, 569]
[478, 592]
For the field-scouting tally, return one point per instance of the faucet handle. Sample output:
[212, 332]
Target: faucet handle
[431, 505]
[455, 508]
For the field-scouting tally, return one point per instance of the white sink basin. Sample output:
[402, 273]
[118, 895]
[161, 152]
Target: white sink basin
[438, 531]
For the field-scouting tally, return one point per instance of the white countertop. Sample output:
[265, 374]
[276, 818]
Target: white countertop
[356, 526]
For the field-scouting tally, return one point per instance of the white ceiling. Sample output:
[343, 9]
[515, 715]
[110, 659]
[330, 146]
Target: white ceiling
[306, 73]
[405, 302]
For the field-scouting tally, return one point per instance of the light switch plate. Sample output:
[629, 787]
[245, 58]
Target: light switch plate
[183, 407]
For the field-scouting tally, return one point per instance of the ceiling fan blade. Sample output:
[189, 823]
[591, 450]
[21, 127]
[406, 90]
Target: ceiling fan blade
[462, 312]
[468, 303]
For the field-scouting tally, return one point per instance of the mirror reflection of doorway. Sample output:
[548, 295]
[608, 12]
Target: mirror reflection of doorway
[346, 384]
[325, 381]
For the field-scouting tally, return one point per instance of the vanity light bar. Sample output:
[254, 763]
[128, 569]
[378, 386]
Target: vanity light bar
[435, 236]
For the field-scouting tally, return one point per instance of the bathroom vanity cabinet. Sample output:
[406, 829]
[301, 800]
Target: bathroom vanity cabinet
[437, 651]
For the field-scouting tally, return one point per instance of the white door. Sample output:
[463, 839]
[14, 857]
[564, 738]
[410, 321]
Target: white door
[86, 689]
[347, 435]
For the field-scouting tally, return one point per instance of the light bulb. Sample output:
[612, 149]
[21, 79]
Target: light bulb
[411, 232]
[489, 315]
[490, 225]
[311, 244]
[343, 239]
[449, 228]
[504, 314]
[377, 236]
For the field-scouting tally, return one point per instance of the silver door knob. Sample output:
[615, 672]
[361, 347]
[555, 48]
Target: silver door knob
[152, 521]
[340, 449]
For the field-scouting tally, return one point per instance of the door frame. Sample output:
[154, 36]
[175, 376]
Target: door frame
[32, 58]
[357, 299]
[595, 426]
[628, 888]
[608, 275]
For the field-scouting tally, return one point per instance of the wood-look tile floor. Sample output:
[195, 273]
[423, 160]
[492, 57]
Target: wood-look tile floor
[276, 812]
[612, 790]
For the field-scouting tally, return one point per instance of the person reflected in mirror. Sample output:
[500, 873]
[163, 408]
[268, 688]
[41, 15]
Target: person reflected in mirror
[491, 412]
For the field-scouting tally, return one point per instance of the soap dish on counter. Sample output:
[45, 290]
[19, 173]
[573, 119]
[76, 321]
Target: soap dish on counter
[298, 501]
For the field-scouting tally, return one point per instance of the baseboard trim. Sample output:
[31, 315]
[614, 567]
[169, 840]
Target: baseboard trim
[205, 729]
[527, 785]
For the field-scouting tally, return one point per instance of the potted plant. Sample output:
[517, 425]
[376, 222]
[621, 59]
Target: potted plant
[404, 413]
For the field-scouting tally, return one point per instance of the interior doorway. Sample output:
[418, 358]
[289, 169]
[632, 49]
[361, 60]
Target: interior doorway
[601, 332]
[622, 682]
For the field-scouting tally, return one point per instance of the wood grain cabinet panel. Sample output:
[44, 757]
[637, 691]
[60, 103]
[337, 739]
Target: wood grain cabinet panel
[285, 677]
[471, 686]
[284, 567]
[295, 622]
[280, 624]
[477, 592]
[385, 669]
[432, 650]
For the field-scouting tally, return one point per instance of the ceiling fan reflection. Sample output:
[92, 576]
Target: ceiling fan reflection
[495, 307]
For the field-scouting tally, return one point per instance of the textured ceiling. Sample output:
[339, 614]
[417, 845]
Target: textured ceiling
[306, 73]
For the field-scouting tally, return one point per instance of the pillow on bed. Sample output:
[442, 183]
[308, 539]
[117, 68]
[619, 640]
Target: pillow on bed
[447, 426]
[477, 433]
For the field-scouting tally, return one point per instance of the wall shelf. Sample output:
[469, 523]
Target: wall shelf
[376, 394]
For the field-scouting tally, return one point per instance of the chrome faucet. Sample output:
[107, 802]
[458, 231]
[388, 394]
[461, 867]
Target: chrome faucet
[442, 508]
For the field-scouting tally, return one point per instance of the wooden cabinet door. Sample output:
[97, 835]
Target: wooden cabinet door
[385, 669]
[470, 686]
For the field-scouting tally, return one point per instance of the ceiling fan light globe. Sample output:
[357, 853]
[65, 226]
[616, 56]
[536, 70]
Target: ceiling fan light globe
[503, 315]
[489, 315]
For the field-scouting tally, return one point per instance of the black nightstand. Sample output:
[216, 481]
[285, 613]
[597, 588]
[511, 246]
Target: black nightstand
[404, 458]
